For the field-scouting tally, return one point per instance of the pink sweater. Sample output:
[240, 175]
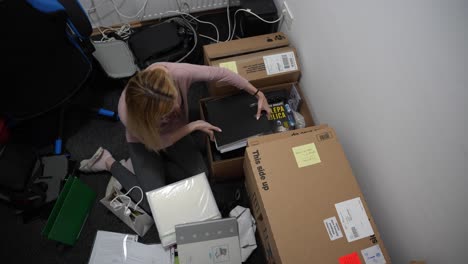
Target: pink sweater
[183, 75]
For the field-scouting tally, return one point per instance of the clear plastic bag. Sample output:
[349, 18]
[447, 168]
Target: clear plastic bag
[182, 202]
[300, 122]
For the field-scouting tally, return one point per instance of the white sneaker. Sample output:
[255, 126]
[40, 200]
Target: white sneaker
[112, 186]
[86, 165]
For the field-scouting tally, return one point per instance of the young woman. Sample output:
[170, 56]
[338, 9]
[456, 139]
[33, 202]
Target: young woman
[153, 108]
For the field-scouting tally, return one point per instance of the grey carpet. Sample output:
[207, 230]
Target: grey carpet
[23, 243]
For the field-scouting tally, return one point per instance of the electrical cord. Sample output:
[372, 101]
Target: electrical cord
[229, 21]
[125, 34]
[117, 10]
[199, 21]
[124, 31]
[210, 38]
[116, 204]
[252, 13]
[184, 22]
[184, 4]
[129, 17]
[95, 7]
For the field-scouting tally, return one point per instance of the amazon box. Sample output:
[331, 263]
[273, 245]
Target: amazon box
[263, 60]
[306, 201]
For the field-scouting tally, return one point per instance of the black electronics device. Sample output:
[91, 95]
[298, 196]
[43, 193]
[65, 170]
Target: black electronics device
[167, 41]
[249, 25]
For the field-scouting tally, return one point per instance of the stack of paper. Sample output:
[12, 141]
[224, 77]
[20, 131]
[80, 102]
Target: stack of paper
[112, 248]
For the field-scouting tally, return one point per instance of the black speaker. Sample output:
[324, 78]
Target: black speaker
[250, 25]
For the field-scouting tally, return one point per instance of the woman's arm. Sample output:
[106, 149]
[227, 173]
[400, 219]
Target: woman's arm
[174, 136]
[196, 73]
[202, 73]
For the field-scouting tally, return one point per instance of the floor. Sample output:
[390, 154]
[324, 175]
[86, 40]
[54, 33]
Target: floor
[84, 133]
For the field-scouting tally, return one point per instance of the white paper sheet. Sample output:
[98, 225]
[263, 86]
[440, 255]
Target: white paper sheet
[117, 248]
[109, 247]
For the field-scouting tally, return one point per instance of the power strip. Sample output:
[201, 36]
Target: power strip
[190, 6]
[104, 14]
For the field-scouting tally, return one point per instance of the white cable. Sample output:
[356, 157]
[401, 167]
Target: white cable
[125, 195]
[129, 17]
[198, 20]
[252, 13]
[266, 21]
[184, 4]
[123, 31]
[210, 38]
[95, 7]
[228, 21]
[117, 10]
[104, 36]
[194, 35]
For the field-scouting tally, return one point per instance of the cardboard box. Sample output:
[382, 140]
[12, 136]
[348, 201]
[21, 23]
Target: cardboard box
[307, 203]
[272, 137]
[231, 168]
[263, 60]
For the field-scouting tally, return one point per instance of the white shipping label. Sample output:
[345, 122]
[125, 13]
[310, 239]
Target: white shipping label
[373, 255]
[333, 228]
[354, 219]
[279, 63]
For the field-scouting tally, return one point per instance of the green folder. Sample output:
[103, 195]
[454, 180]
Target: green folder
[69, 212]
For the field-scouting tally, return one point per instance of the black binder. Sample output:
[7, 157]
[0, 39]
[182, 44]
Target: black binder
[236, 116]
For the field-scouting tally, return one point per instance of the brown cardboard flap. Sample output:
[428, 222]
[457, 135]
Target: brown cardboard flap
[267, 138]
[245, 45]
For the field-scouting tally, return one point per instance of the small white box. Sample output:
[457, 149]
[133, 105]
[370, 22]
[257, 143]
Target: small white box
[185, 201]
[212, 241]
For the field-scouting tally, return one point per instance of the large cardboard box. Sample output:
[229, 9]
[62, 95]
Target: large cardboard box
[229, 166]
[307, 203]
[263, 60]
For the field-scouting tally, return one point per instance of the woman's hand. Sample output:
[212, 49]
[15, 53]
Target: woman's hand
[262, 105]
[205, 127]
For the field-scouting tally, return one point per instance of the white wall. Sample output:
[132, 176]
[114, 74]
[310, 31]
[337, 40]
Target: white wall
[392, 78]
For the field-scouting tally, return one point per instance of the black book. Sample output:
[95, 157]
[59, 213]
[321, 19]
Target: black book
[236, 116]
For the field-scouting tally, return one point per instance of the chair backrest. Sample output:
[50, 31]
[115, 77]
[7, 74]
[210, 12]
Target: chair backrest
[79, 26]
[48, 53]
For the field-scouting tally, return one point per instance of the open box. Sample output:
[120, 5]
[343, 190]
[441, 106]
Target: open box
[228, 166]
[263, 60]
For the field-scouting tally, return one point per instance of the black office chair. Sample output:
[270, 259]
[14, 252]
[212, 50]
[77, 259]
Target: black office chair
[48, 59]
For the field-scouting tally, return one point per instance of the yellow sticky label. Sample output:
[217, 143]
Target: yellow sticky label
[230, 65]
[306, 155]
